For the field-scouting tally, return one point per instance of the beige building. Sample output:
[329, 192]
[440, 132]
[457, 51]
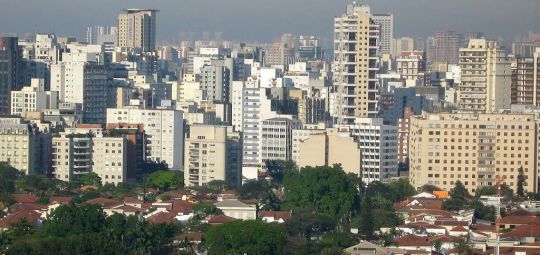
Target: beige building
[137, 29]
[22, 146]
[526, 80]
[355, 64]
[210, 155]
[78, 152]
[236, 209]
[326, 148]
[472, 148]
[485, 77]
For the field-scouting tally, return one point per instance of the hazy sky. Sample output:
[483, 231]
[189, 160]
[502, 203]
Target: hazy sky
[265, 20]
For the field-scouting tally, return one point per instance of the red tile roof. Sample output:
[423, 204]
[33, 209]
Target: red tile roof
[29, 216]
[519, 220]
[162, 217]
[220, 219]
[106, 203]
[444, 238]
[425, 203]
[25, 198]
[412, 240]
[181, 206]
[529, 230]
[27, 207]
[459, 229]
[132, 200]
[451, 223]
[521, 212]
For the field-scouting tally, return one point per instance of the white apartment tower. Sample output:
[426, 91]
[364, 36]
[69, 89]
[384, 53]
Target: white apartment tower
[386, 27]
[379, 148]
[82, 84]
[164, 131]
[355, 64]
[33, 98]
[137, 29]
[486, 77]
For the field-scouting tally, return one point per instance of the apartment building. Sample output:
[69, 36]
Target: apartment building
[137, 29]
[411, 66]
[76, 153]
[327, 147]
[23, 146]
[474, 149]
[485, 77]
[276, 142]
[386, 28]
[526, 80]
[355, 66]
[33, 98]
[378, 144]
[10, 71]
[164, 130]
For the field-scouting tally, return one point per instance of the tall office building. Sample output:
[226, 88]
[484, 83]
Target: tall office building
[386, 34]
[137, 29]
[355, 64]
[526, 80]
[485, 77]
[444, 47]
[474, 149]
[10, 71]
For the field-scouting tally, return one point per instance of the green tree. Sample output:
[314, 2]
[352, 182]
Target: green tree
[305, 223]
[429, 188]
[402, 189]
[366, 227]
[165, 180]
[70, 219]
[324, 189]
[458, 197]
[91, 179]
[246, 237]
[520, 182]
[20, 229]
[278, 168]
[341, 240]
[205, 209]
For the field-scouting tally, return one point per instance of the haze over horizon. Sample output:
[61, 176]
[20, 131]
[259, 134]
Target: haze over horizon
[248, 20]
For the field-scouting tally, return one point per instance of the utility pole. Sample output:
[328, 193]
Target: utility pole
[498, 216]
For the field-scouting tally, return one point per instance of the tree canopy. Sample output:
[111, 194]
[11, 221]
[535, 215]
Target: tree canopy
[324, 189]
[165, 180]
[246, 237]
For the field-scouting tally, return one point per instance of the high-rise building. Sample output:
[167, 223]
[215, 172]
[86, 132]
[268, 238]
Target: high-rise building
[378, 145]
[33, 98]
[276, 142]
[355, 64]
[403, 137]
[474, 149]
[327, 147]
[23, 146]
[164, 132]
[411, 66]
[402, 44]
[386, 34]
[485, 77]
[10, 71]
[526, 80]
[137, 29]
[205, 155]
[444, 47]
[78, 152]
[82, 85]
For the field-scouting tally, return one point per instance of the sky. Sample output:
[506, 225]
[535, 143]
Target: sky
[266, 20]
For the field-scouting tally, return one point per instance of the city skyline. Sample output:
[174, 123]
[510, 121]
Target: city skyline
[243, 21]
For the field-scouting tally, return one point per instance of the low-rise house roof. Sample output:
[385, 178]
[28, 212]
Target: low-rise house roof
[27, 207]
[191, 236]
[529, 230]
[420, 202]
[412, 241]
[162, 217]
[220, 219]
[60, 200]
[28, 215]
[231, 203]
[365, 247]
[106, 203]
[276, 215]
[25, 198]
[519, 220]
